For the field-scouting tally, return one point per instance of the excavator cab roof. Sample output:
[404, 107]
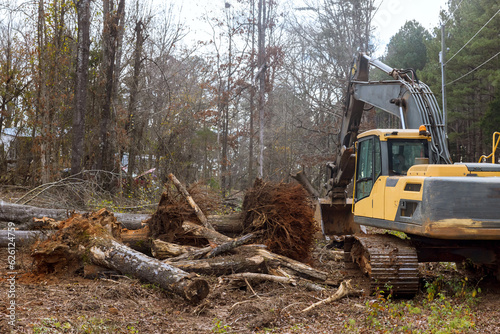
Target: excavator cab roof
[385, 134]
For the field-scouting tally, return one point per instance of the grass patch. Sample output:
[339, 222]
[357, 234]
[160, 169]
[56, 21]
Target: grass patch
[445, 307]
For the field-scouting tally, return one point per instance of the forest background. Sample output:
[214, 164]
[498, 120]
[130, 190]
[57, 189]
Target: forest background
[110, 90]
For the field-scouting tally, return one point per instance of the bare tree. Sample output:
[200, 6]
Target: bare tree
[112, 19]
[82, 70]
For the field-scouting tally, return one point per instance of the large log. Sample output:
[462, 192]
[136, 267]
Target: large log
[227, 224]
[111, 254]
[203, 232]
[21, 238]
[223, 265]
[195, 253]
[295, 267]
[163, 250]
[137, 239]
[23, 215]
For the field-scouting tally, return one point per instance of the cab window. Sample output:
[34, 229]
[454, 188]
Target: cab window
[369, 166]
[404, 153]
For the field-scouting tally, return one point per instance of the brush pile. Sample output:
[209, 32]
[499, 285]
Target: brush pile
[181, 241]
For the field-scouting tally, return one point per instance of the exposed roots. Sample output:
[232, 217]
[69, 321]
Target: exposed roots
[64, 252]
[173, 209]
[284, 212]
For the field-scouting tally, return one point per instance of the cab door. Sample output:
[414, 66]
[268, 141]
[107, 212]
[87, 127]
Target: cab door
[368, 171]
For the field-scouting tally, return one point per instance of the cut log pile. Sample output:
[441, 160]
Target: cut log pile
[180, 243]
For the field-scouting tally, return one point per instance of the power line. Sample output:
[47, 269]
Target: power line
[449, 16]
[463, 76]
[498, 11]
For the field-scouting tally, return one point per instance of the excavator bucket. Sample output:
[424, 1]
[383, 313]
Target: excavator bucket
[337, 218]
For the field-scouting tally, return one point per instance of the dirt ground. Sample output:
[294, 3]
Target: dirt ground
[49, 304]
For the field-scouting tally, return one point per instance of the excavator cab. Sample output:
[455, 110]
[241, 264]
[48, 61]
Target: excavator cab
[387, 153]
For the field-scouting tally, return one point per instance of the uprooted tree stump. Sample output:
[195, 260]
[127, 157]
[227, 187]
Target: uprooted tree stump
[92, 237]
[173, 210]
[285, 213]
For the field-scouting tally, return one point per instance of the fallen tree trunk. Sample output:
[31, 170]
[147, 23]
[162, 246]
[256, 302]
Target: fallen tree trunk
[297, 268]
[203, 232]
[207, 252]
[22, 238]
[222, 265]
[137, 239]
[111, 254]
[163, 250]
[279, 279]
[228, 224]
[23, 215]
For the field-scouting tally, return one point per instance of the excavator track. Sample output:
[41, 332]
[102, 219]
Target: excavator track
[390, 262]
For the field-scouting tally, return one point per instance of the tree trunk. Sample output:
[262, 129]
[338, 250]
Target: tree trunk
[203, 232]
[42, 96]
[22, 238]
[163, 250]
[227, 224]
[251, 156]
[301, 178]
[278, 261]
[24, 214]
[134, 90]
[112, 19]
[194, 253]
[223, 265]
[82, 70]
[261, 64]
[137, 239]
[111, 254]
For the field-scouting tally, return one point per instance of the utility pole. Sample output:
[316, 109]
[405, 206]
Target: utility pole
[442, 60]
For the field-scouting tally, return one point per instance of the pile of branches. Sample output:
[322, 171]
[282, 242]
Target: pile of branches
[285, 214]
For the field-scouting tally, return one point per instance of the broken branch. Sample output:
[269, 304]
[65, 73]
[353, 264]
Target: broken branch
[191, 202]
[344, 289]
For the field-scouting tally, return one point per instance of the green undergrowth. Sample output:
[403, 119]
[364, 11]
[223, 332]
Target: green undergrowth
[446, 306]
[83, 324]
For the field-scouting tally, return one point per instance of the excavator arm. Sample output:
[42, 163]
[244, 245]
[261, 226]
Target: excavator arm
[404, 96]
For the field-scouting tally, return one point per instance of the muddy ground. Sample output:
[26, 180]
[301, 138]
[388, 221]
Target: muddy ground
[50, 304]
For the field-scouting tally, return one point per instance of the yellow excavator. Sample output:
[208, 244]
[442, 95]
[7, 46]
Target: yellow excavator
[404, 180]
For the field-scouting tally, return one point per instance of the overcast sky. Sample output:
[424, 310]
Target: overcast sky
[389, 18]
[393, 14]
